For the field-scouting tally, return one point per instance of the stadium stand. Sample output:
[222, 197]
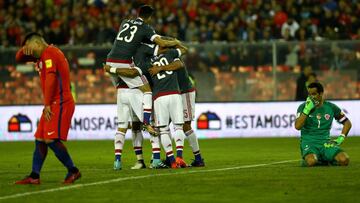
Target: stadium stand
[234, 45]
[97, 21]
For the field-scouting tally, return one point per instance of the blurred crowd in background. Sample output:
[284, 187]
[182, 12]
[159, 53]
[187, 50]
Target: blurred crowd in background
[97, 21]
[241, 50]
[222, 72]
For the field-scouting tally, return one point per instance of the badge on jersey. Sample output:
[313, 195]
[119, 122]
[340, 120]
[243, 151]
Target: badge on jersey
[48, 63]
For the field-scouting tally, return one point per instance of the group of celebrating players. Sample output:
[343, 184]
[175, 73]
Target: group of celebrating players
[147, 71]
[137, 51]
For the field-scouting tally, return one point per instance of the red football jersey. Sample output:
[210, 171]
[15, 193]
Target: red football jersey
[54, 76]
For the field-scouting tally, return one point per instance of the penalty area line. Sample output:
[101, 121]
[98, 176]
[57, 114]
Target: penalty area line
[140, 177]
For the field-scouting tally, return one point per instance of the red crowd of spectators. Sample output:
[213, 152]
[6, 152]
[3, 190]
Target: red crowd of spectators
[97, 21]
[224, 71]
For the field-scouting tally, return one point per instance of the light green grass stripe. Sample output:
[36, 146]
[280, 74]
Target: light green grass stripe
[140, 177]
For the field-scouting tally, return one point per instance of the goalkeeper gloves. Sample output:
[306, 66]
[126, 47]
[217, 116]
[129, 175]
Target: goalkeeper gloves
[309, 105]
[340, 139]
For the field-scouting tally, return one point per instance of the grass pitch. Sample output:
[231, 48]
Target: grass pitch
[237, 170]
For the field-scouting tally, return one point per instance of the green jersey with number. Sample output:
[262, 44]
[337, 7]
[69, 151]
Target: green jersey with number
[318, 123]
[165, 82]
[128, 40]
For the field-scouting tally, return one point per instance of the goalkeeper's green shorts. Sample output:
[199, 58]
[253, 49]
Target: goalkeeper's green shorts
[324, 152]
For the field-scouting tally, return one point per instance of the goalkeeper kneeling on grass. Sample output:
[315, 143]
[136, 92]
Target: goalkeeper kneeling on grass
[314, 119]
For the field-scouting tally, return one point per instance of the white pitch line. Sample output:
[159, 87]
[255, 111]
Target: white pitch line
[139, 177]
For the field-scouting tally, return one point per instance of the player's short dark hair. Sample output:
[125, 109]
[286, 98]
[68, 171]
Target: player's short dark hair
[145, 11]
[318, 86]
[30, 36]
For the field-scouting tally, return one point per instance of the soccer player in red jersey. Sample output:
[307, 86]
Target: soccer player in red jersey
[58, 109]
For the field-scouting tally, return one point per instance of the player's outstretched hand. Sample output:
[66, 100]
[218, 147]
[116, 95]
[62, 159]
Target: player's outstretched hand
[152, 131]
[154, 70]
[177, 41]
[47, 113]
[106, 68]
[309, 105]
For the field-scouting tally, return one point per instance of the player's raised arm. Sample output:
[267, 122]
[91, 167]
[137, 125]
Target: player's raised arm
[300, 121]
[172, 66]
[303, 113]
[183, 49]
[22, 58]
[166, 43]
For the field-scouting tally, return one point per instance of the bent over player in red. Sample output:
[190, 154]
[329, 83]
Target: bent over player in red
[58, 109]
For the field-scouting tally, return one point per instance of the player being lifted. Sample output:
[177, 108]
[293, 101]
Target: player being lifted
[129, 105]
[188, 94]
[119, 60]
[314, 120]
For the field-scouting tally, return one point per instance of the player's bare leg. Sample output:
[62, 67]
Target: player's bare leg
[311, 160]
[342, 159]
[194, 144]
[137, 139]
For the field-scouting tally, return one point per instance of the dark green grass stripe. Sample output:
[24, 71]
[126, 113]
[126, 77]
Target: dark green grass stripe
[141, 177]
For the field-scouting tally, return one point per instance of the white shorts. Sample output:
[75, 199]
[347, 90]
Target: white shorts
[131, 82]
[129, 106]
[188, 100]
[166, 108]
